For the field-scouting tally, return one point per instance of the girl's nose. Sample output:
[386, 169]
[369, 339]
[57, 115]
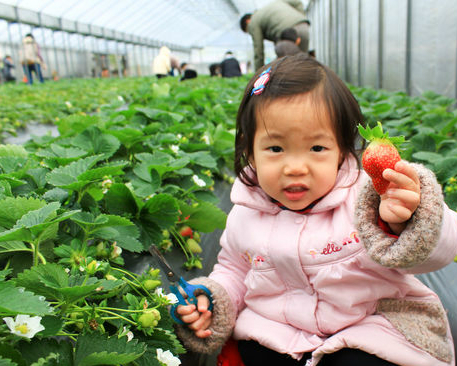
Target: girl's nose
[295, 166]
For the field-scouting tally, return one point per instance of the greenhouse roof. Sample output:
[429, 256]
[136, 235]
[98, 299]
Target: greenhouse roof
[187, 23]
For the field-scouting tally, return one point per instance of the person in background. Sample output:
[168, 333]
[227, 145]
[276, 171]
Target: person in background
[7, 68]
[188, 72]
[215, 69]
[316, 267]
[268, 23]
[31, 59]
[161, 65]
[174, 63]
[230, 67]
[288, 43]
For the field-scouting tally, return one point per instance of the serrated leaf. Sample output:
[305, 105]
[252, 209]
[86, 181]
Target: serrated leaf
[13, 246]
[38, 216]
[68, 174]
[41, 348]
[94, 174]
[13, 150]
[97, 349]
[119, 200]
[93, 140]
[8, 352]
[13, 208]
[203, 158]
[51, 281]
[7, 362]
[52, 325]
[161, 209]
[206, 217]
[17, 301]
[49, 360]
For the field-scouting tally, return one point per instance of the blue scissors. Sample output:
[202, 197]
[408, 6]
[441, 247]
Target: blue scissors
[184, 291]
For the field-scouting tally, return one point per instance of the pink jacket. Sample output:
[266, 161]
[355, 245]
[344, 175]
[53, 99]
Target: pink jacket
[332, 278]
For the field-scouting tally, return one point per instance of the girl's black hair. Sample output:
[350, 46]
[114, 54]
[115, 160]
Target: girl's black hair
[290, 77]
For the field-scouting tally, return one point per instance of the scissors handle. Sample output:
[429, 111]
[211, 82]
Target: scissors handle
[192, 291]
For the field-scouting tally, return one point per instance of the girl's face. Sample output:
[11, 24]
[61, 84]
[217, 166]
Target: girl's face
[296, 155]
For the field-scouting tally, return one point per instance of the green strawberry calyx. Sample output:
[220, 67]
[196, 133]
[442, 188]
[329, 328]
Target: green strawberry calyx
[377, 134]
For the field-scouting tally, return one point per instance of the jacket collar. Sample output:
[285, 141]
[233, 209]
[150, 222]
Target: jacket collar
[256, 198]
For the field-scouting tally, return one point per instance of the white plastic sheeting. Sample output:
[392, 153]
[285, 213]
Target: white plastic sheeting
[391, 44]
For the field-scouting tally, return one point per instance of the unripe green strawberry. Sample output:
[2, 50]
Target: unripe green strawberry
[193, 246]
[380, 154]
[151, 284]
[149, 318]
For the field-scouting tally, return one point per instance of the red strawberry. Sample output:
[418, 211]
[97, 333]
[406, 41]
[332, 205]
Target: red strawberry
[186, 231]
[380, 154]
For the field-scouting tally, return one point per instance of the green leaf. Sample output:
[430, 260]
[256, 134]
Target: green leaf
[51, 281]
[69, 174]
[97, 349]
[38, 216]
[52, 326]
[93, 140]
[445, 168]
[206, 217]
[98, 173]
[13, 150]
[42, 348]
[17, 301]
[7, 362]
[120, 201]
[13, 208]
[203, 158]
[161, 209]
[49, 360]
[7, 352]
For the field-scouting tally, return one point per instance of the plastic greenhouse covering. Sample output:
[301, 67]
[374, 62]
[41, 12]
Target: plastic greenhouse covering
[404, 46]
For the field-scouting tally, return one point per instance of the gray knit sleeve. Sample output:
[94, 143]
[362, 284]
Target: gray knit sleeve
[224, 316]
[418, 239]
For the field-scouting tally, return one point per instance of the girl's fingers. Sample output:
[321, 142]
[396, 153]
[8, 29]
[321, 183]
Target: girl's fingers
[203, 321]
[203, 303]
[185, 309]
[404, 176]
[402, 213]
[404, 197]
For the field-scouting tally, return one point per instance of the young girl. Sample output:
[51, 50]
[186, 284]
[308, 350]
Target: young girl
[315, 266]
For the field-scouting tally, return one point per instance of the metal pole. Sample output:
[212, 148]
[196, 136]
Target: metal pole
[330, 29]
[409, 5]
[359, 51]
[55, 52]
[346, 43]
[380, 43]
[14, 51]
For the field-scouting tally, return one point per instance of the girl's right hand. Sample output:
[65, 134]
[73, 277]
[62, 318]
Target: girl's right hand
[198, 318]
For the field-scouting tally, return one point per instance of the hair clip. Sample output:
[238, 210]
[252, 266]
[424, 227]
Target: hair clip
[260, 83]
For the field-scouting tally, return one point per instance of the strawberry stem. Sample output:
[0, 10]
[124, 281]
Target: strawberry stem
[377, 133]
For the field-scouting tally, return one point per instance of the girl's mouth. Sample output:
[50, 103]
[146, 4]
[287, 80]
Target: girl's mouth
[295, 192]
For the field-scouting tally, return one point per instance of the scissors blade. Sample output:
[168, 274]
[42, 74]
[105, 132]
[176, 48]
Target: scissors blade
[171, 275]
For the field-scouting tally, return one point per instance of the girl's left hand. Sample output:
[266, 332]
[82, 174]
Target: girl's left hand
[402, 196]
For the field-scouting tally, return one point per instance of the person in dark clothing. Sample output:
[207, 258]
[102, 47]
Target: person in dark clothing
[288, 43]
[230, 67]
[187, 72]
[7, 69]
[215, 69]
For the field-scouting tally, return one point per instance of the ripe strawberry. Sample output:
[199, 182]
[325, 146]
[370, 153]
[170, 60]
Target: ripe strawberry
[380, 154]
[186, 231]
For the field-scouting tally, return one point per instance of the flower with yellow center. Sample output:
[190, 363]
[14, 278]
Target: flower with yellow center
[24, 325]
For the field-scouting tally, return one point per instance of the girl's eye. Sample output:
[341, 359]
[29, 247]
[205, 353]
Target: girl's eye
[318, 148]
[275, 149]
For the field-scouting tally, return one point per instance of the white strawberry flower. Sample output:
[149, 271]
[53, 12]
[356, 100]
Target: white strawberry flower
[167, 358]
[199, 182]
[24, 325]
[174, 148]
[68, 104]
[172, 299]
